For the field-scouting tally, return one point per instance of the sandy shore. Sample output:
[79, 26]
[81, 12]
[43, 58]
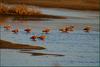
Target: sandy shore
[9, 45]
[66, 4]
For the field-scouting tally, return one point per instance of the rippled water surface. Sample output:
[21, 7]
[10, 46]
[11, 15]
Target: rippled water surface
[78, 47]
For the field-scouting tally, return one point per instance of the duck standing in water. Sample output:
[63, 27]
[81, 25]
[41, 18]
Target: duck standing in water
[8, 27]
[65, 29]
[34, 37]
[87, 29]
[28, 30]
[42, 37]
[47, 30]
[15, 30]
[62, 30]
[71, 28]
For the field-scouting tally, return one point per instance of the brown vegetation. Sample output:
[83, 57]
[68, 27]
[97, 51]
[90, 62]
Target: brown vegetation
[24, 11]
[69, 4]
[19, 9]
[3, 8]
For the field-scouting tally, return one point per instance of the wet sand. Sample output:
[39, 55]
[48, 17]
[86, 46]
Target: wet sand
[9, 45]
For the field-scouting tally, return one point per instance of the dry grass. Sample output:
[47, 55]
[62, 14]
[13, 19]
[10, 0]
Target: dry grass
[71, 4]
[24, 11]
[18, 9]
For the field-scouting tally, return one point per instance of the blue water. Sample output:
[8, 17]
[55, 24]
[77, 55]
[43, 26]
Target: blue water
[80, 48]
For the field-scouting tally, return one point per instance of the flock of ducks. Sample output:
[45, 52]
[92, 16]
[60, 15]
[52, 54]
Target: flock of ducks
[68, 28]
[71, 28]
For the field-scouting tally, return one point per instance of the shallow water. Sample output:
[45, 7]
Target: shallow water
[79, 48]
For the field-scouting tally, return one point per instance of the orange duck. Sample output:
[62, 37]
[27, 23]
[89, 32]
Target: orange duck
[28, 30]
[7, 27]
[15, 31]
[87, 29]
[42, 37]
[34, 38]
[47, 30]
[65, 29]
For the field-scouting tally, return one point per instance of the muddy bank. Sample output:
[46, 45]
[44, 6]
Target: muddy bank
[9, 45]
